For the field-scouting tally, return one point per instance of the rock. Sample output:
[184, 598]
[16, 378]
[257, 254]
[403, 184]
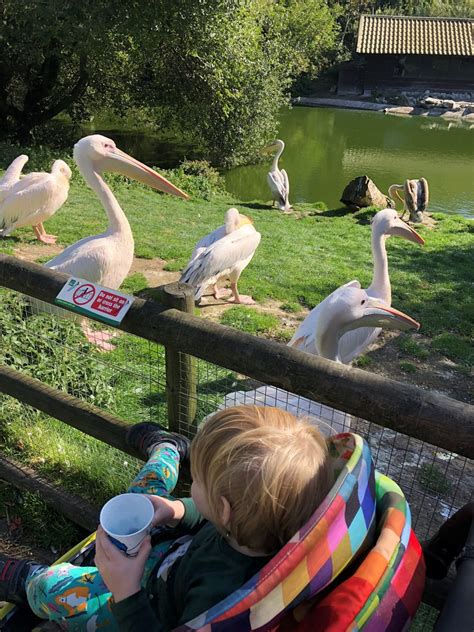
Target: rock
[362, 192]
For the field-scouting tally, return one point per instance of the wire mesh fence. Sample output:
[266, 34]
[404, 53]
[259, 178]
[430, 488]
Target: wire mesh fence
[129, 381]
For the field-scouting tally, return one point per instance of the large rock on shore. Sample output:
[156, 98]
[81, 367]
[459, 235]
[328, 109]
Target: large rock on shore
[362, 192]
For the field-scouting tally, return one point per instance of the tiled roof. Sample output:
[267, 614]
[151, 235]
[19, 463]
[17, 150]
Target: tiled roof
[391, 35]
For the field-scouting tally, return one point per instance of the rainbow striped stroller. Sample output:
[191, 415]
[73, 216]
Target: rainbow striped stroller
[356, 564]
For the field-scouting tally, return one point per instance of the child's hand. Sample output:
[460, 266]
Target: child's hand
[166, 511]
[121, 574]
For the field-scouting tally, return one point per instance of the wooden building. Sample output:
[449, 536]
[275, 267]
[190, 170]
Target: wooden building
[411, 53]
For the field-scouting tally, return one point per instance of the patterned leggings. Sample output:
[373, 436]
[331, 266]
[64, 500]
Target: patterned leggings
[75, 597]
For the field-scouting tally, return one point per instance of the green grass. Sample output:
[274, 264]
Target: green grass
[249, 320]
[363, 361]
[433, 478]
[410, 347]
[134, 283]
[407, 367]
[454, 347]
[300, 260]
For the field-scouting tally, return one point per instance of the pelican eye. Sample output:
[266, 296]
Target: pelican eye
[362, 302]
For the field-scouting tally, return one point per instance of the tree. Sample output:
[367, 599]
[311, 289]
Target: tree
[216, 69]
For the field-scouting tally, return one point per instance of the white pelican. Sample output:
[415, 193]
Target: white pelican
[223, 254]
[278, 179]
[351, 345]
[33, 199]
[106, 258]
[345, 310]
[12, 174]
[415, 197]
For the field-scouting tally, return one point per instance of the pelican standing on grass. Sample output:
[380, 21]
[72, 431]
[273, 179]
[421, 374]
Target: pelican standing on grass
[33, 199]
[415, 197]
[223, 254]
[106, 258]
[352, 344]
[343, 312]
[278, 178]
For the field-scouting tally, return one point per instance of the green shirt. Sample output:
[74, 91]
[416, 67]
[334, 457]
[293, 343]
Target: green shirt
[209, 571]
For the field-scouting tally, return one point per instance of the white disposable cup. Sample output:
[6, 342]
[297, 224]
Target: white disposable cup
[127, 519]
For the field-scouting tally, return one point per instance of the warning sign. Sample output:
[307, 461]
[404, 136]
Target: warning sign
[84, 294]
[94, 300]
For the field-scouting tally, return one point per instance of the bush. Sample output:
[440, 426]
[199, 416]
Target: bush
[198, 178]
[41, 158]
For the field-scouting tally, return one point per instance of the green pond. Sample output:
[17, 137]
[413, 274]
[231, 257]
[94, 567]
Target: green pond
[327, 147]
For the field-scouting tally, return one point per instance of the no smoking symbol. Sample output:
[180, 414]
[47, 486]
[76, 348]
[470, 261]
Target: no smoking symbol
[84, 294]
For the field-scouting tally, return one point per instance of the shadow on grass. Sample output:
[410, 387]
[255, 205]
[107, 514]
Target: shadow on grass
[335, 212]
[258, 206]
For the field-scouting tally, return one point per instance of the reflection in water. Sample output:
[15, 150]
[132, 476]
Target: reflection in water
[326, 148]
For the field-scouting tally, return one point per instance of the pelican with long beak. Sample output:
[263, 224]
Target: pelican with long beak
[386, 223]
[344, 311]
[277, 179]
[106, 258]
[221, 255]
[415, 197]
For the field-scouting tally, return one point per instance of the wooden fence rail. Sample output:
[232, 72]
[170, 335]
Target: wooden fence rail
[424, 415]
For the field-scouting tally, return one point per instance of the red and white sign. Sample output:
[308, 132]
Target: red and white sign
[94, 300]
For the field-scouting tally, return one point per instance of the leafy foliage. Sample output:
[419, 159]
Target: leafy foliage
[217, 70]
[46, 357]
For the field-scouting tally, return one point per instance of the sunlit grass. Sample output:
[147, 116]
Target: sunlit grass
[301, 259]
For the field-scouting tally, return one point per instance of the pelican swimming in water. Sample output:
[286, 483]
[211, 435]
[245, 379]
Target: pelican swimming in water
[384, 224]
[106, 258]
[415, 197]
[345, 310]
[223, 254]
[33, 199]
[278, 178]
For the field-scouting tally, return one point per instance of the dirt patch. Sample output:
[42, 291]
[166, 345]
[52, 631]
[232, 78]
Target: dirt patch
[35, 251]
[153, 271]
[437, 373]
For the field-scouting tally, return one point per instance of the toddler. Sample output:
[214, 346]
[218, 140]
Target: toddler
[258, 475]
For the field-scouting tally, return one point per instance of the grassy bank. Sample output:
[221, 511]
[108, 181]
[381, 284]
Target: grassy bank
[302, 258]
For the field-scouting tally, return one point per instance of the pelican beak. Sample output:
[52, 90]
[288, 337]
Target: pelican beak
[402, 229]
[120, 162]
[377, 314]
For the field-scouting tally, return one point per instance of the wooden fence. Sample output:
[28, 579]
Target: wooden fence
[423, 415]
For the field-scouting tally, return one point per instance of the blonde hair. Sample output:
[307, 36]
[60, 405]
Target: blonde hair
[271, 467]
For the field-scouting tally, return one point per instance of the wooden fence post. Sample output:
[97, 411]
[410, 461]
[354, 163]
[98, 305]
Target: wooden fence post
[181, 369]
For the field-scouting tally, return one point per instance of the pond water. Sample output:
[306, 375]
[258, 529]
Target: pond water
[327, 147]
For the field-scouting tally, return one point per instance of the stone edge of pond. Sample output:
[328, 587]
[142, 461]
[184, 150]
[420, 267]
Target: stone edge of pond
[386, 108]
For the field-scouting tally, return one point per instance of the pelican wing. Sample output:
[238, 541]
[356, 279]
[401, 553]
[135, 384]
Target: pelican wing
[207, 241]
[305, 336]
[25, 199]
[86, 259]
[12, 174]
[276, 182]
[423, 194]
[286, 184]
[353, 343]
[221, 257]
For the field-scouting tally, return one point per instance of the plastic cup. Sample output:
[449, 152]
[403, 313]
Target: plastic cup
[127, 519]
